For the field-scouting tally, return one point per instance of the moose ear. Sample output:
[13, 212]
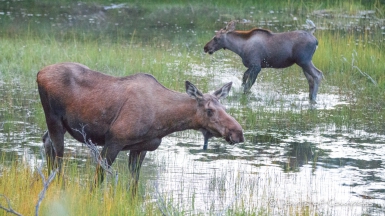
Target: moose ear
[230, 26]
[224, 91]
[192, 91]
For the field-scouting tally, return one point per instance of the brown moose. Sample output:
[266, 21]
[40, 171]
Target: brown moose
[125, 113]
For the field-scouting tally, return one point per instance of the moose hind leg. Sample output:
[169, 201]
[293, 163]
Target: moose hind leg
[54, 142]
[310, 80]
[314, 77]
[49, 151]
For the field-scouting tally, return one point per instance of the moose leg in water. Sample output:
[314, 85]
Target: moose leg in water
[53, 141]
[250, 76]
[135, 161]
[314, 77]
[206, 136]
[109, 152]
[49, 151]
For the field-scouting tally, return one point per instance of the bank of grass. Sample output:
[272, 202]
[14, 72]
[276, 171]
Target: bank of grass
[70, 195]
[241, 193]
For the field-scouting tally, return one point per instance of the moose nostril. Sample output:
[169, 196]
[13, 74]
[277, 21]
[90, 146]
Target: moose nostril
[242, 138]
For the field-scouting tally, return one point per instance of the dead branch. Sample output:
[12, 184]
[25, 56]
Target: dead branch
[9, 209]
[96, 156]
[46, 183]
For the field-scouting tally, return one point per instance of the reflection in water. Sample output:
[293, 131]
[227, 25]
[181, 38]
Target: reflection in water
[258, 167]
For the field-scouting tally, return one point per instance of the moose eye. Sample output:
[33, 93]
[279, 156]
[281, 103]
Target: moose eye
[215, 39]
[209, 112]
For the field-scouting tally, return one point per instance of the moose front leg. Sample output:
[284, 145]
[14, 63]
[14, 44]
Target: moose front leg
[135, 161]
[137, 155]
[249, 77]
[206, 135]
[109, 153]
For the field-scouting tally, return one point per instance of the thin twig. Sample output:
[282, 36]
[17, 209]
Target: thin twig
[9, 209]
[96, 156]
[98, 159]
[46, 183]
[365, 74]
[359, 70]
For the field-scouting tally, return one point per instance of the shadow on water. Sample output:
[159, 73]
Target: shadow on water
[350, 161]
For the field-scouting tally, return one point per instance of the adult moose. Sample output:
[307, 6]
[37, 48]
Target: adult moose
[124, 113]
[260, 48]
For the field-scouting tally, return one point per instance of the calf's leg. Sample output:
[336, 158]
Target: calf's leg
[249, 77]
[314, 77]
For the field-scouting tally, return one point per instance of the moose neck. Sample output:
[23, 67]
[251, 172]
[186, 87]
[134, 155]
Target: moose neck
[178, 113]
[235, 42]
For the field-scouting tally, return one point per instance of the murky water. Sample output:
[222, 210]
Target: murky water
[340, 171]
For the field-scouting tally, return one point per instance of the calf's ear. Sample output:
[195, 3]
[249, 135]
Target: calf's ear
[193, 91]
[224, 91]
[230, 26]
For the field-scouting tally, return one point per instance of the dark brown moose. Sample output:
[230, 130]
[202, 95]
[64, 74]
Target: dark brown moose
[124, 113]
[260, 48]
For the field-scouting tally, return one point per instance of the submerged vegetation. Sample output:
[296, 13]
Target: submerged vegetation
[166, 39]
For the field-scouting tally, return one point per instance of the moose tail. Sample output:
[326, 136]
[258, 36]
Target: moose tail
[311, 25]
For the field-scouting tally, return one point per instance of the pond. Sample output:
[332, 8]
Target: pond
[338, 168]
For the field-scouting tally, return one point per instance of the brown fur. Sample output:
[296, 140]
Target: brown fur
[247, 34]
[124, 113]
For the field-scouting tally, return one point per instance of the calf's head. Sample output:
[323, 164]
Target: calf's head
[219, 40]
[211, 115]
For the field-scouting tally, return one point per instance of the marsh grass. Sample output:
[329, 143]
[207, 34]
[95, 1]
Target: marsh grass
[71, 194]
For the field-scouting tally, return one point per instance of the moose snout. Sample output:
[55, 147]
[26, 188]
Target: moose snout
[235, 137]
[207, 50]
